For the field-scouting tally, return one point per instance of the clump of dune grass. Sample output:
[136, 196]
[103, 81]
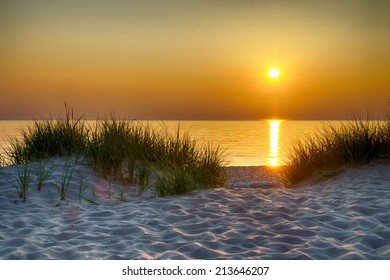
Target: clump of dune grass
[355, 142]
[48, 138]
[134, 153]
[107, 147]
[176, 180]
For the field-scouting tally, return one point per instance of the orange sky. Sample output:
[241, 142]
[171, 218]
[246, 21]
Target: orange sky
[200, 60]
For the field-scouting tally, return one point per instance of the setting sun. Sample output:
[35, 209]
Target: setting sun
[273, 73]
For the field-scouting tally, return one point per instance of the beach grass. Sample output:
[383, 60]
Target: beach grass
[354, 142]
[49, 138]
[24, 180]
[44, 173]
[66, 178]
[135, 153]
[2, 161]
[122, 150]
[122, 195]
[83, 189]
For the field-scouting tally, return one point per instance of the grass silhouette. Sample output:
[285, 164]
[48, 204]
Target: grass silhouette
[333, 146]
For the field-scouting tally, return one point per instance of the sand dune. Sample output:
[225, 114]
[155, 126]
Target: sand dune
[345, 217]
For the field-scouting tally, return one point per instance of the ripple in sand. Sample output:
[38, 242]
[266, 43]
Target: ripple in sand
[171, 255]
[352, 256]
[198, 251]
[278, 247]
[289, 239]
[373, 241]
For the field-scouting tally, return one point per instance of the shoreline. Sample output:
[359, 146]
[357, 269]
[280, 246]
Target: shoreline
[344, 217]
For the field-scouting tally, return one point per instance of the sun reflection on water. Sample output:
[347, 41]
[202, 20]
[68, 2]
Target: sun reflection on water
[273, 156]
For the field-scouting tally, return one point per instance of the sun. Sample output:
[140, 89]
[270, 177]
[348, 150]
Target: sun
[274, 73]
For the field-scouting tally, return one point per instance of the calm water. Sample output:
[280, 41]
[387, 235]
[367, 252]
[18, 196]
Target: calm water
[247, 143]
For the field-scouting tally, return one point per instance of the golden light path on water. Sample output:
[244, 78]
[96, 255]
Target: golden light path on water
[273, 156]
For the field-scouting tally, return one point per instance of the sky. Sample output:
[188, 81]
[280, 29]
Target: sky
[195, 59]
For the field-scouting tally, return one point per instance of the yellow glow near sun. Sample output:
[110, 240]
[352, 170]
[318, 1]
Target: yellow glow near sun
[273, 73]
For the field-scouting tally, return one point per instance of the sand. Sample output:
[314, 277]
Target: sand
[254, 217]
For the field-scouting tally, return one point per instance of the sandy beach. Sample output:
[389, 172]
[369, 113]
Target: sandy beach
[254, 217]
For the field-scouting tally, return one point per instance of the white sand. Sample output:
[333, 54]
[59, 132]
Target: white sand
[345, 217]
